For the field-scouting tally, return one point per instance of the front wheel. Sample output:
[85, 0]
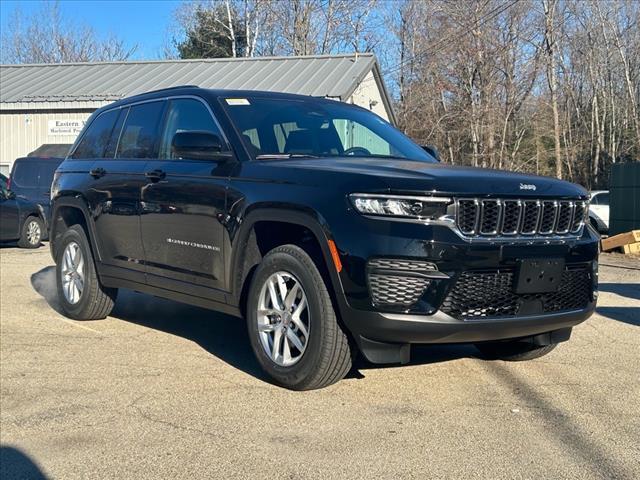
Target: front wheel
[513, 351]
[292, 325]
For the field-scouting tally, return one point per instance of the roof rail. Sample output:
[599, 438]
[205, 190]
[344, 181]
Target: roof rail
[164, 90]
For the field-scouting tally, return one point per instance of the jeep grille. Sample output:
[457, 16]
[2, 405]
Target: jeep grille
[520, 217]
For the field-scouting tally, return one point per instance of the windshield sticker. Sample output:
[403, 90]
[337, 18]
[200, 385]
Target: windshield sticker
[237, 101]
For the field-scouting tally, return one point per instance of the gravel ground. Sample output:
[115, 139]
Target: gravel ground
[164, 390]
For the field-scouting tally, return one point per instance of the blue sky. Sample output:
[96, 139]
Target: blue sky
[137, 22]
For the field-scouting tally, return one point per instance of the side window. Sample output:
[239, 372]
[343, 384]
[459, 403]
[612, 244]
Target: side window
[95, 139]
[603, 199]
[25, 174]
[185, 114]
[138, 137]
[110, 151]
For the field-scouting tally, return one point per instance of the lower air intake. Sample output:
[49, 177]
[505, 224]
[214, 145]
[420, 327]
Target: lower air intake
[477, 295]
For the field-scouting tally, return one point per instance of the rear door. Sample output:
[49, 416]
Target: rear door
[123, 142]
[183, 204]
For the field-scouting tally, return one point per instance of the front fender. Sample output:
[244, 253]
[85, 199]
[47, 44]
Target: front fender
[244, 247]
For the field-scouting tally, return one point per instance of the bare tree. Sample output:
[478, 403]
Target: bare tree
[546, 86]
[550, 8]
[47, 37]
[286, 27]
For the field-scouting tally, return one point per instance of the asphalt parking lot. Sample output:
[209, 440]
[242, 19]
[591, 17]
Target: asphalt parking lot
[164, 390]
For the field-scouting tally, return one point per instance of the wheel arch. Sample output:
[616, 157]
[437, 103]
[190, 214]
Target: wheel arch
[252, 243]
[66, 212]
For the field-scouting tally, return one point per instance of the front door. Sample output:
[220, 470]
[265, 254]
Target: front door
[182, 206]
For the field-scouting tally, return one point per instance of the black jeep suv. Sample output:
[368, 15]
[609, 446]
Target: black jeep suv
[322, 225]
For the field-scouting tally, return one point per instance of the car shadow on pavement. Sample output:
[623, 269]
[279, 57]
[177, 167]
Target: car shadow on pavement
[221, 335]
[629, 290]
[625, 314]
[630, 315]
[423, 355]
[16, 464]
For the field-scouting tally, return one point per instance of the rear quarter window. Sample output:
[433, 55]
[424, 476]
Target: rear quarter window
[25, 174]
[95, 140]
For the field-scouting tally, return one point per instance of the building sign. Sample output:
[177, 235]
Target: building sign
[65, 127]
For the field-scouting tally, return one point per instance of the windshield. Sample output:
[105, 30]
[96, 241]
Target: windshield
[283, 127]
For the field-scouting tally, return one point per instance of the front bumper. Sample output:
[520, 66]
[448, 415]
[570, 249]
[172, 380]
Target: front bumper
[430, 319]
[386, 337]
[441, 328]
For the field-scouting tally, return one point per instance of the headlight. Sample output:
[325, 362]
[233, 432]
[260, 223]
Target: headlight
[421, 208]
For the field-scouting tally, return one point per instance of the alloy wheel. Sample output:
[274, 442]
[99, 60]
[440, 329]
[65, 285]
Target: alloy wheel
[283, 319]
[33, 232]
[72, 273]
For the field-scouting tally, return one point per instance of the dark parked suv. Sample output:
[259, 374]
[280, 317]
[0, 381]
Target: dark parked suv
[31, 178]
[321, 224]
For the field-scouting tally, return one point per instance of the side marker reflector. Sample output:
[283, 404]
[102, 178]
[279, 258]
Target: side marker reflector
[334, 255]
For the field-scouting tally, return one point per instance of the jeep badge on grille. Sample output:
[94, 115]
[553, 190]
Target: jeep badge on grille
[527, 186]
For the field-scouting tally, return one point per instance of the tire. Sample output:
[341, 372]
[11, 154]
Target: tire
[327, 355]
[513, 351]
[93, 301]
[32, 233]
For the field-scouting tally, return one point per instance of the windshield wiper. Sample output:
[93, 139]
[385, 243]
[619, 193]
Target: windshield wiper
[274, 156]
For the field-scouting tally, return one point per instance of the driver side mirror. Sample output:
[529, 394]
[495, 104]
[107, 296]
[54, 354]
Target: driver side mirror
[431, 150]
[198, 145]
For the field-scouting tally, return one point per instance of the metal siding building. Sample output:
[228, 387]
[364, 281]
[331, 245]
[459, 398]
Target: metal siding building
[42, 104]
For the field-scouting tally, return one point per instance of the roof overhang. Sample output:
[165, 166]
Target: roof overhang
[92, 85]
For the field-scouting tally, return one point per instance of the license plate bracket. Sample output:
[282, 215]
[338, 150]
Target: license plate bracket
[535, 275]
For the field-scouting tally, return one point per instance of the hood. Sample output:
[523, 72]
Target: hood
[408, 176]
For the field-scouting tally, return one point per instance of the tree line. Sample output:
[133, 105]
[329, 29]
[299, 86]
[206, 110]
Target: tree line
[543, 86]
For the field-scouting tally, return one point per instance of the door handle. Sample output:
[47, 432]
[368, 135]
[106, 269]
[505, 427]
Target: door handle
[155, 175]
[97, 172]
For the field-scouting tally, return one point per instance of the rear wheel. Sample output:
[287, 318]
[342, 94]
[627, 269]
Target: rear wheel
[513, 351]
[31, 234]
[292, 325]
[80, 293]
